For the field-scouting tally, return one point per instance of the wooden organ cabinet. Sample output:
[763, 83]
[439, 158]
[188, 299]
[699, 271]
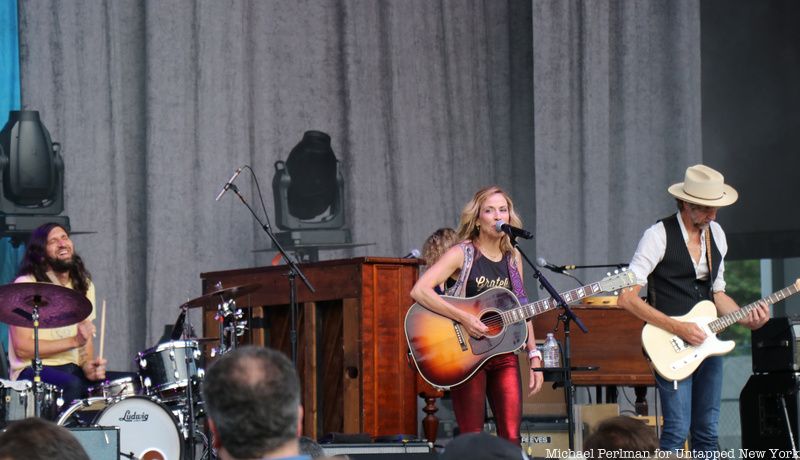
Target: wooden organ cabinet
[351, 349]
[613, 344]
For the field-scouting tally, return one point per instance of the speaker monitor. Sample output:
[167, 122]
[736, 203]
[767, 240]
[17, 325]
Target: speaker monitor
[101, 443]
[768, 407]
[775, 345]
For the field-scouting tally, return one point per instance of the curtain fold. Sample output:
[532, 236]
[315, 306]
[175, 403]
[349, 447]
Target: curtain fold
[616, 119]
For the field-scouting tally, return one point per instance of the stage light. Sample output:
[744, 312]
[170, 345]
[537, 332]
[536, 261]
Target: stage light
[308, 189]
[31, 176]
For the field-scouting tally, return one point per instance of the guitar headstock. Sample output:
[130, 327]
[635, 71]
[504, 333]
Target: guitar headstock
[797, 284]
[617, 281]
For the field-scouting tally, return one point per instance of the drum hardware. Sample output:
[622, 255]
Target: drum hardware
[41, 305]
[227, 316]
[110, 389]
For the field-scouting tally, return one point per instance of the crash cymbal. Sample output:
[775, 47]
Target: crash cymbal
[58, 306]
[222, 295]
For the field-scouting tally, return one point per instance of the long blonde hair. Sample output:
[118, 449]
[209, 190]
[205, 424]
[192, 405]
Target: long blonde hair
[467, 227]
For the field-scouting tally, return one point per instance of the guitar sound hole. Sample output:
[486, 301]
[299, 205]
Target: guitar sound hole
[494, 322]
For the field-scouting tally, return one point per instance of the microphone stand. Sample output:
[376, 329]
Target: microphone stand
[294, 271]
[566, 316]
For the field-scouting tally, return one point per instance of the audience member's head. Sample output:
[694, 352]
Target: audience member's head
[252, 397]
[39, 439]
[437, 244]
[310, 447]
[481, 446]
[621, 433]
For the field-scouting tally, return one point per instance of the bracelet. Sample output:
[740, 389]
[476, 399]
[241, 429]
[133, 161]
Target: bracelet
[534, 354]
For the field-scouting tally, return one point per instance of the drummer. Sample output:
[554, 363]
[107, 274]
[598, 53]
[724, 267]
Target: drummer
[67, 353]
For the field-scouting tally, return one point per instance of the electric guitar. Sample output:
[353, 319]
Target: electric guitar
[675, 359]
[446, 355]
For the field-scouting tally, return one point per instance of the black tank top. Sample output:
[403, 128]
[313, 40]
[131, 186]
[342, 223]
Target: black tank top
[486, 274]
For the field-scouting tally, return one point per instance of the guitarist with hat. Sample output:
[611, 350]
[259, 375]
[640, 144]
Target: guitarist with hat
[681, 261]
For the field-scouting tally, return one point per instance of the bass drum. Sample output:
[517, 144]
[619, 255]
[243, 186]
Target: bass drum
[147, 430]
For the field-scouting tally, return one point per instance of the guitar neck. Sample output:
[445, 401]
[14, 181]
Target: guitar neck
[724, 321]
[530, 310]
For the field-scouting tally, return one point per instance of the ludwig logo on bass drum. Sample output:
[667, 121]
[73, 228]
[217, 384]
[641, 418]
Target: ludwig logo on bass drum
[134, 416]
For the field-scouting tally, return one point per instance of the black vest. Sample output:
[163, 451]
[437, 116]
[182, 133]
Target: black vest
[673, 287]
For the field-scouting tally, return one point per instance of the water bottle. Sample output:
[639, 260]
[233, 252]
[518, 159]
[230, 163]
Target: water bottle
[551, 353]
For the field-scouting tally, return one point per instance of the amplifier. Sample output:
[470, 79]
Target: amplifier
[101, 443]
[769, 410]
[382, 450]
[775, 346]
[539, 437]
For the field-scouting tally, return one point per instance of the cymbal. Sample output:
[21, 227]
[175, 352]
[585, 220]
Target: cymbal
[222, 295]
[58, 306]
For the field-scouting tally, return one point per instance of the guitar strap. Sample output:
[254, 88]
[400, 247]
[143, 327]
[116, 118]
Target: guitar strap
[708, 259]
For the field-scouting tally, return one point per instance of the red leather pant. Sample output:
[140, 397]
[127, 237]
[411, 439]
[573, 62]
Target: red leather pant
[499, 380]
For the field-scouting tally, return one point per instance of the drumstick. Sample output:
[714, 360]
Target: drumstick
[102, 328]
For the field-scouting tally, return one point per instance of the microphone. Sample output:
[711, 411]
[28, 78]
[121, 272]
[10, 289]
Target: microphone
[414, 254]
[228, 184]
[542, 262]
[501, 226]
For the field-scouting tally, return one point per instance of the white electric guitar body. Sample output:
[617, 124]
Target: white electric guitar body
[674, 359]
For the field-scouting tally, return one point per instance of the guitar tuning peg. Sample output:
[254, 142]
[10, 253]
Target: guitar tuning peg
[608, 273]
[616, 272]
[616, 292]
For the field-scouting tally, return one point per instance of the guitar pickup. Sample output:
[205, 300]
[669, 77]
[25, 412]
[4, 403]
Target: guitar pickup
[460, 336]
[685, 361]
[678, 344]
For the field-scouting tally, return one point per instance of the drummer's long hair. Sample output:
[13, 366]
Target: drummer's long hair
[34, 262]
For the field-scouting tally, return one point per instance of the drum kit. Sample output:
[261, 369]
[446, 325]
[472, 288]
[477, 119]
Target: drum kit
[157, 411]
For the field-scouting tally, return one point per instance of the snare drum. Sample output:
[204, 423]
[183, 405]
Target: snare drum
[146, 428]
[167, 368]
[17, 403]
[127, 386]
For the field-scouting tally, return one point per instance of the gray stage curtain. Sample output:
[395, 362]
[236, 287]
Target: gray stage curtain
[156, 103]
[617, 120]
[584, 111]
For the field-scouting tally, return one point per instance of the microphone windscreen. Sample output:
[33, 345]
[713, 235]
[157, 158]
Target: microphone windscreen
[540, 261]
[499, 225]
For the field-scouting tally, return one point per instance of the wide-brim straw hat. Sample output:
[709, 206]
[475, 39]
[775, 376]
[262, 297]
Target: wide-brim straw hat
[704, 186]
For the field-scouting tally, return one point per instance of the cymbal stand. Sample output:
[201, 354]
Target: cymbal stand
[189, 359]
[37, 360]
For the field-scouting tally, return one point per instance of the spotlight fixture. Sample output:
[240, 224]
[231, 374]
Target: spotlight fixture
[308, 189]
[31, 176]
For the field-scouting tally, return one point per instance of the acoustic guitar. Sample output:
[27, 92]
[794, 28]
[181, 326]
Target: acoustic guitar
[446, 355]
